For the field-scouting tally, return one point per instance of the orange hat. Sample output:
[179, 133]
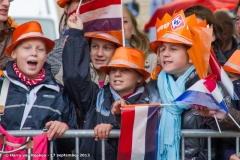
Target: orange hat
[28, 30]
[61, 3]
[127, 57]
[233, 63]
[112, 36]
[176, 32]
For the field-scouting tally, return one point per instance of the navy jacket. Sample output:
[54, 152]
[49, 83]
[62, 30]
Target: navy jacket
[50, 104]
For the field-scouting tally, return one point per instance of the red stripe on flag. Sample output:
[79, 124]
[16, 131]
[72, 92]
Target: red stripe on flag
[210, 82]
[96, 4]
[215, 65]
[125, 140]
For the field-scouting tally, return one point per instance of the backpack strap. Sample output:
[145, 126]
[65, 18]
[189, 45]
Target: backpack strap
[4, 93]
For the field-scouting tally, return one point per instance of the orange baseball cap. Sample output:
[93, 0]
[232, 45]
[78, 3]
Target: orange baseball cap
[28, 30]
[127, 57]
[233, 63]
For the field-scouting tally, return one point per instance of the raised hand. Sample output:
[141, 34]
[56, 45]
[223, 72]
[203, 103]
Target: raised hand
[74, 21]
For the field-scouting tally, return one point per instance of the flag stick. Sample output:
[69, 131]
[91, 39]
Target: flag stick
[234, 120]
[77, 11]
[217, 123]
[123, 36]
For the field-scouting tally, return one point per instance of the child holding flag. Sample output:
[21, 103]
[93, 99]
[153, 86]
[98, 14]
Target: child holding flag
[126, 81]
[184, 59]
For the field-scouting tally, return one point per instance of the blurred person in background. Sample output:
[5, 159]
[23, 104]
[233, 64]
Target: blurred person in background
[203, 13]
[55, 56]
[230, 40]
[7, 26]
[137, 39]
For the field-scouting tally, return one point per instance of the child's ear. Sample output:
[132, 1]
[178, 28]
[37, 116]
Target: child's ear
[14, 55]
[140, 79]
[190, 61]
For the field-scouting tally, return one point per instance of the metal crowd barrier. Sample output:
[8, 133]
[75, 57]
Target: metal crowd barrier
[196, 133]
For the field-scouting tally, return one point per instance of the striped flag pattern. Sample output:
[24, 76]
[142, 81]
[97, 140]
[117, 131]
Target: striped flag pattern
[139, 131]
[99, 15]
[221, 75]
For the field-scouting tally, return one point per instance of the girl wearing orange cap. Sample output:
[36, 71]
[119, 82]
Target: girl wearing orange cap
[34, 99]
[126, 81]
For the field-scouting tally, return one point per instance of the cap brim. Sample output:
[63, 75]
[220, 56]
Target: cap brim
[102, 37]
[230, 69]
[49, 42]
[158, 43]
[105, 69]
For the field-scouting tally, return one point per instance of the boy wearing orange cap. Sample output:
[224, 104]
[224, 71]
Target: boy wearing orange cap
[34, 99]
[126, 81]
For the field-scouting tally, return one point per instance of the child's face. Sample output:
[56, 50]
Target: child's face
[233, 76]
[30, 55]
[174, 58]
[124, 80]
[101, 52]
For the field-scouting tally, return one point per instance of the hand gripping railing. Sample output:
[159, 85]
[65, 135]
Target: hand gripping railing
[196, 133]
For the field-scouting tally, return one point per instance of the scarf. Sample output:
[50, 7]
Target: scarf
[29, 82]
[170, 124]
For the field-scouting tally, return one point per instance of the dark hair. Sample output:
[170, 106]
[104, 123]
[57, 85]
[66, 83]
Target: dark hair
[205, 13]
[236, 8]
[143, 83]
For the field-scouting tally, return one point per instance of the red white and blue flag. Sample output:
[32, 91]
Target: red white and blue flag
[101, 15]
[139, 132]
[221, 75]
[204, 92]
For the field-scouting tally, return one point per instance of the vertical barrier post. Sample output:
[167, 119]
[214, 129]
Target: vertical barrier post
[51, 151]
[77, 148]
[183, 148]
[103, 150]
[209, 149]
[237, 146]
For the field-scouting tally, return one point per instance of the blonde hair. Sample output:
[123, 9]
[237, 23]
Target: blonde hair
[139, 39]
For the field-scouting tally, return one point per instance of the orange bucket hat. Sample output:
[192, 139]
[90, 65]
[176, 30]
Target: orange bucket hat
[173, 30]
[112, 36]
[61, 3]
[28, 30]
[233, 63]
[127, 57]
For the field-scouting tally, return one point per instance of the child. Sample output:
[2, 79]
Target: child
[34, 99]
[175, 40]
[126, 80]
[225, 122]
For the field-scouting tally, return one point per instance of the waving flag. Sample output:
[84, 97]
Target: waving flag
[204, 92]
[221, 75]
[99, 15]
[139, 131]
